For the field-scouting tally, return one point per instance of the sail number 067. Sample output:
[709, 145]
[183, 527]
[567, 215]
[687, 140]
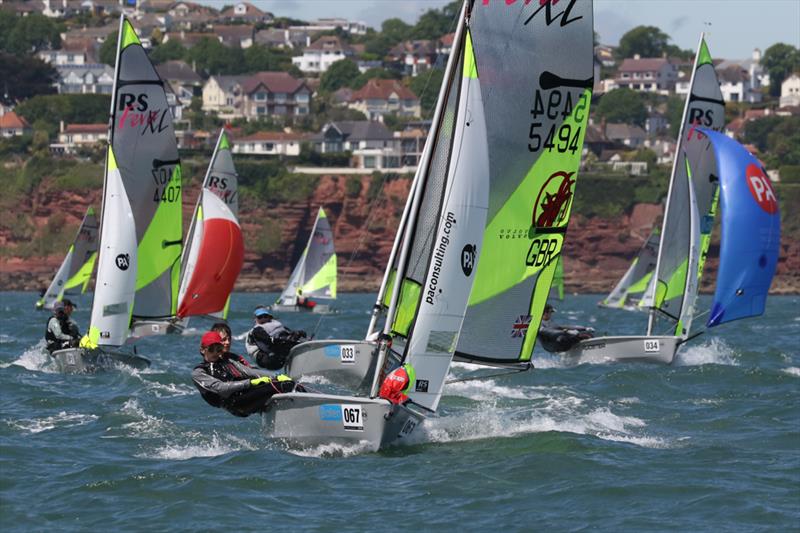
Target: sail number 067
[563, 138]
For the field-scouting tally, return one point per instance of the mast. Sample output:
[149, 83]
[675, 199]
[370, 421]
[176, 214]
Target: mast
[452, 61]
[653, 308]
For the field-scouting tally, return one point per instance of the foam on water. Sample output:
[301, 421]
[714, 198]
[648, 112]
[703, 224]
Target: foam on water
[714, 351]
[557, 413]
[5, 338]
[329, 450]
[485, 390]
[792, 371]
[34, 358]
[195, 444]
[61, 420]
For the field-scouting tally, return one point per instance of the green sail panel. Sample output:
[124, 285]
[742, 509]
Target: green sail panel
[704, 107]
[557, 288]
[143, 140]
[630, 289]
[536, 68]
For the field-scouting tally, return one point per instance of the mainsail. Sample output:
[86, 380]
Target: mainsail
[314, 276]
[75, 271]
[213, 258]
[675, 287]
[629, 291]
[536, 65]
[557, 289]
[140, 236]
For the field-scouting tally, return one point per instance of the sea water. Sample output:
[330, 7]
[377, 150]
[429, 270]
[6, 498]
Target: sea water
[711, 442]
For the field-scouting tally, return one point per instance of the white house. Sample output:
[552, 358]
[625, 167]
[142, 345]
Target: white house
[790, 91]
[652, 74]
[734, 83]
[269, 143]
[321, 54]
[74, 136]
[85, 79]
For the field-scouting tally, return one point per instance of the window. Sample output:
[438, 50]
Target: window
[301, 98]
[261, 110]
[369, 161]
[261, 97]
[280, 98]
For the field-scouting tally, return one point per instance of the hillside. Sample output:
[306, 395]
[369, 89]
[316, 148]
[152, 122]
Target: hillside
[610, 223]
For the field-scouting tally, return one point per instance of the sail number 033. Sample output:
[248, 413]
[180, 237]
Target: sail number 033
[551, 105]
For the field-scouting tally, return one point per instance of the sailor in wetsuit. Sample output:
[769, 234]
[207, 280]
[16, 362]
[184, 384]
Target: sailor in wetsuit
[269, 342]
[62, 332]
[226, 380]
[554, 338]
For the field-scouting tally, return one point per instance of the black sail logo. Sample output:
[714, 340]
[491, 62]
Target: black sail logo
[468, 259]
[123, 261]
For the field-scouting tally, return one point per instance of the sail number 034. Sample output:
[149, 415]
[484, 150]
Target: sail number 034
[551, 106]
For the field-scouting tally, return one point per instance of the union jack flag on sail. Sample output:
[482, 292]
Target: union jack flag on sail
[520, 327]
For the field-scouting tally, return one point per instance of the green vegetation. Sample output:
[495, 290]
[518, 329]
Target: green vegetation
[649, 41]
[49, 110]
[29, 34]
[353, 187]
[426, 87]
[268, 238]
[608, 195]
[780, 60]
[340, 74]
[777, 140]
[622, 105]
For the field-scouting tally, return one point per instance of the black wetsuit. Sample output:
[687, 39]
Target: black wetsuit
[62, 332]
[561, 339]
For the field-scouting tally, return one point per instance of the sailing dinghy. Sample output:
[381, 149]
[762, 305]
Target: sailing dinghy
[215, 253]
[140, 224]
[705, 164]
[75, 271]
[629, 292]
[314, 276]
[506, 133]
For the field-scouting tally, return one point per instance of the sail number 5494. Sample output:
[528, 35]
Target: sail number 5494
[550, 105]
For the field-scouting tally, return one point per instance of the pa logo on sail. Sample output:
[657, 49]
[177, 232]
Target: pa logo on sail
[123, 261]
[468, 258]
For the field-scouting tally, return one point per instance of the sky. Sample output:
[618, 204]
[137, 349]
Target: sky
[736, 26]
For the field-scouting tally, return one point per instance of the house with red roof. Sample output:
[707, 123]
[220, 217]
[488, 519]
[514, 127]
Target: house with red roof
[74, 136]
[381, 97]
[13, 125]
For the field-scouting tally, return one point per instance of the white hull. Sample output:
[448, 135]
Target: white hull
[305, 420]
[84, 361]
[346, 363]
[324, 309]
[649, 349]
[149, 328]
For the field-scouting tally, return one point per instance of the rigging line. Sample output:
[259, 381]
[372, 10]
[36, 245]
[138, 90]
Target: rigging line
[487, 376]
[370, 219]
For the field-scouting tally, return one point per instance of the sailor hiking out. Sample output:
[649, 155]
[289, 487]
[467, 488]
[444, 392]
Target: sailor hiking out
[269, 342]
[62, 332]
[555, 338]
[226, 380]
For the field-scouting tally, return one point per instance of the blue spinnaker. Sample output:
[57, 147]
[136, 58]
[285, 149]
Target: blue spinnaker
[751, 232]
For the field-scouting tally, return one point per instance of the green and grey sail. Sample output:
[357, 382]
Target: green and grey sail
[629, 291]
[557, 288]
[675, 287]
[73, 275]
[146, 151]
[314, 276]
[536, 65]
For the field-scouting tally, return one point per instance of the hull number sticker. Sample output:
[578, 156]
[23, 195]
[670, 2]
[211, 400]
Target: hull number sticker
[352, 417]
[651, 345]
[347, 354]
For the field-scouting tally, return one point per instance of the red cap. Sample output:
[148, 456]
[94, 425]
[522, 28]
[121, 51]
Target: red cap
[209, 338]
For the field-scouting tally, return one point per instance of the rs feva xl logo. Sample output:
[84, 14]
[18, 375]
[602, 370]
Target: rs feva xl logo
[761, 188]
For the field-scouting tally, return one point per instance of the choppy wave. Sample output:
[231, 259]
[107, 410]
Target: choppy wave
[34, 358]
[61, 420]
[194, 444]
[792, 371]
[329, 450]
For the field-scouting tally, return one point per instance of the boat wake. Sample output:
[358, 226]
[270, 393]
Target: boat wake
[196, 444]
[327, 450]
[714, 351]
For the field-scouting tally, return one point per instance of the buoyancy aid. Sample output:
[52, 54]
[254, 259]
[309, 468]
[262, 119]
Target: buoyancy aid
[223, 370]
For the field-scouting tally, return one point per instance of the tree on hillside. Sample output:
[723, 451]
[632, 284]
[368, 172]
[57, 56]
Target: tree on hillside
[434, 23]
[622, 105]
[71, 108]
[426, 87]
[24, 77]
[167, 51]
[259, 58]
[778, 138]
[675, 105]
[108, 50]
[28, 35]
[379, 73]
[212, 57]
[340, 74]
[647, 41]
[780, 60]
